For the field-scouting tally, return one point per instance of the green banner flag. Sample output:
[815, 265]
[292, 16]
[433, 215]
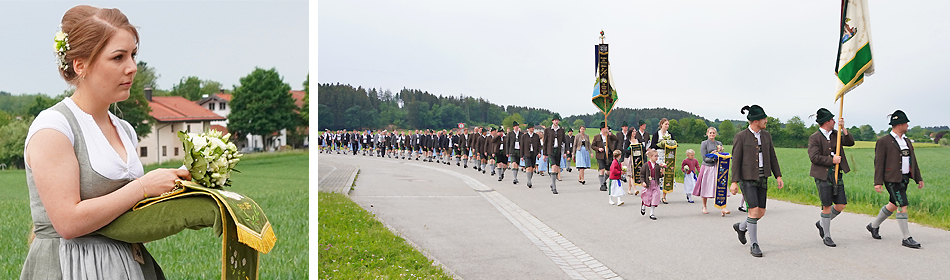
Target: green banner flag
[854, 46]
[605, 94]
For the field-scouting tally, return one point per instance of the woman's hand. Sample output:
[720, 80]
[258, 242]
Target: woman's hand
[162, 180]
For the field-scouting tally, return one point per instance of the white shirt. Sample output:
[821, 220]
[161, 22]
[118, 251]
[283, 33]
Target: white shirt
[555, 134]
[759, 140]
[905, 161]
[826, 133]
[517, 137]
[530, 146]
[102, 156]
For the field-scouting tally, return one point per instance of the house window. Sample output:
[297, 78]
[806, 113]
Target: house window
[188, 128]
[164, 151]
[176, 151]
[211, 106]
[143, 152]
[222, 105]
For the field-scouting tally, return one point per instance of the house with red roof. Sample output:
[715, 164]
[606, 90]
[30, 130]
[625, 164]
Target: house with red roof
[173, 114]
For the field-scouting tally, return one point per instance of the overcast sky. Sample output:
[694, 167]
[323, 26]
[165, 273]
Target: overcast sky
[705, 57]
[213, 40]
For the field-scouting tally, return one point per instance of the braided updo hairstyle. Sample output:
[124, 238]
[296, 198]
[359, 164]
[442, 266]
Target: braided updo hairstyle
[89, 29]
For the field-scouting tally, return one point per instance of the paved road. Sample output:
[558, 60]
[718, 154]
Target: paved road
[484, 229]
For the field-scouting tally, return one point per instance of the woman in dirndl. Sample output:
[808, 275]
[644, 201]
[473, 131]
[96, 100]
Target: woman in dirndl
[658, 136]
[82, 169]
[581, 153]
[706, 178]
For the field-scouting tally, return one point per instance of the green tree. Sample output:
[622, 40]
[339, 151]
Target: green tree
[12, 138]
[209, 87]
[135, 109]
[41, 103]
[353, 117]
[305, 111]
[727, 131]
[187, 87]
[5, 118]
[324, 117]
[262, 105]
[514, 118]
[867, 133]
[795, 133]
[578, 123]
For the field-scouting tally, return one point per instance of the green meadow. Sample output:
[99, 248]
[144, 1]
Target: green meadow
[278, 182]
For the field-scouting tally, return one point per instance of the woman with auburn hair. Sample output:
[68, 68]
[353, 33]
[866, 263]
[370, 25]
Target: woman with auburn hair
[82, 169]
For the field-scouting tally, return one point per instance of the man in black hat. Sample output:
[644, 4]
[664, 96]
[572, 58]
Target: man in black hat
[554, 149]
[568, 149]
[821, 151]
[513, 147]
[753, 162]
[895, 163]
[623, 141]
[603, 145]
[530, 148]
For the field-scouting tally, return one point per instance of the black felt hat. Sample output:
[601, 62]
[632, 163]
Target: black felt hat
[603, 124]
[514, 123]
[823, 116]
[898, 117]
[755, 112]
[570, 130]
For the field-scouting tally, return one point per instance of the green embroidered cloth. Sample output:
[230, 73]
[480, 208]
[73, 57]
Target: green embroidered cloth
[244, 228]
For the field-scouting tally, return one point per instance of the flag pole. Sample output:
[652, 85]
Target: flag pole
[840, 131]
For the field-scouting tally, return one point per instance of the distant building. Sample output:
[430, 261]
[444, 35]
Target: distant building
[173, 114]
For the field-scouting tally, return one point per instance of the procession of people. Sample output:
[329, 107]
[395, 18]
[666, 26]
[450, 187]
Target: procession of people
[637, 159]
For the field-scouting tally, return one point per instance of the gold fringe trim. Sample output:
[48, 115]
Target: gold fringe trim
[263, 242]
[720, 207]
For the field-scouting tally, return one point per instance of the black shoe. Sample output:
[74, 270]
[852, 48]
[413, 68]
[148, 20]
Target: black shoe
[741, 234]
[603, 187]
[652, 217]
[466, 166]
[553, 189]
[910, 243]
[515, 182]
[829, 242]
[643, 211]
[742, 209]
[529, 185]
[493, 173]
[821, 231]
[483, 171]
[500, 178]
[458, 164]
[583, 182]
[874, 231]
[755, 250]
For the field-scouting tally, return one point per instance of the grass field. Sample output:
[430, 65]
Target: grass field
[354, 245]
[277, 182]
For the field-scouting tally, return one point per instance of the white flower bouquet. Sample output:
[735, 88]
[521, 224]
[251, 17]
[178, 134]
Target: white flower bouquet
[666, 143]
[210, 157]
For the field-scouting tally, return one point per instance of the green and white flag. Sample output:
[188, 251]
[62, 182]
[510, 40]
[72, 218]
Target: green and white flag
[854, 46]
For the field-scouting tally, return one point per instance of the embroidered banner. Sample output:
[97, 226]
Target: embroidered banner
[636, 160]
[722, 179]
[670, 171]
[854, 46]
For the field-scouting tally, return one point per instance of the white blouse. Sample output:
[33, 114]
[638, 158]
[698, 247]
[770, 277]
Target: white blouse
[102, 156]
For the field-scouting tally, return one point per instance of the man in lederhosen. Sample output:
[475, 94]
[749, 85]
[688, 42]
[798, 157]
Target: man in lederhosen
[821, 151]
[487, 151]
[753, 162]
[428, 141]
[501, 157]
[530, 148]
[456, 147]
[895, 163]
[464, 147]
[513, 147]
[603, 146]
[568, 150]
[475, 145]
[554, 149]
[446, 142]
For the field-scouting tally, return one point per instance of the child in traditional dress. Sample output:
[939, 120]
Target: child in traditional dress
[616, 187]
[650, 175]
[689, 167]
